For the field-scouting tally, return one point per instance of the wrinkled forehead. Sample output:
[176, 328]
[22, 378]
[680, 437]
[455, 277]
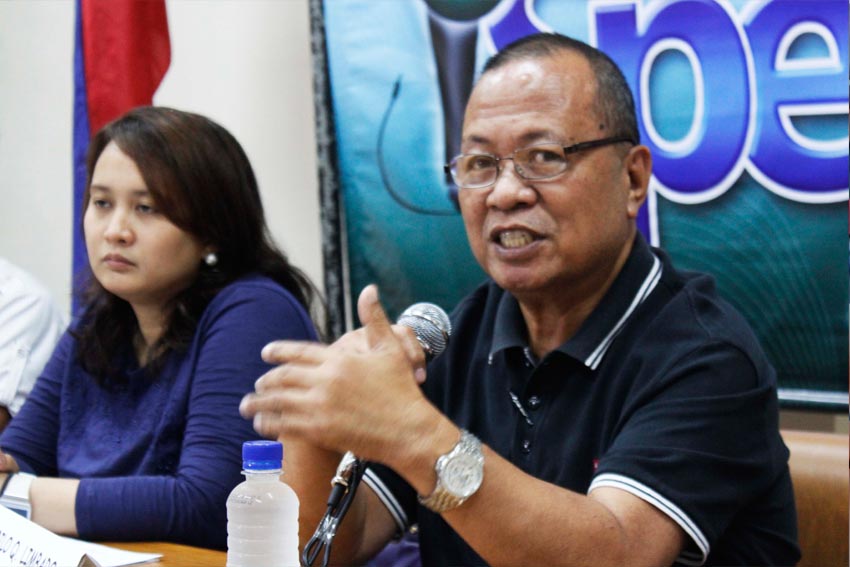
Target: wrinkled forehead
[567, 71]
[556, 93]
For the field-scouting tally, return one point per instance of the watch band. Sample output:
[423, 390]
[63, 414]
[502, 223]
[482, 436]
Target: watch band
[442, 498]
[16, 493]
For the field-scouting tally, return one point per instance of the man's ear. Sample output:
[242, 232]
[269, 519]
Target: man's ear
[639, 169]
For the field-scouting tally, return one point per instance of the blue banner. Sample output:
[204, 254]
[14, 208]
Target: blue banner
[744, 105]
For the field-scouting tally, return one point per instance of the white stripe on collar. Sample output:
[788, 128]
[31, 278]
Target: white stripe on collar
[646, 288]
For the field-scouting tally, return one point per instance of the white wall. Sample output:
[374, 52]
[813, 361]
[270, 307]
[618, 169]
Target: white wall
[244, 63]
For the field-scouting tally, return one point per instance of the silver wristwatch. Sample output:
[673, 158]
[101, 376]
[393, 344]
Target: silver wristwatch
[459, 475]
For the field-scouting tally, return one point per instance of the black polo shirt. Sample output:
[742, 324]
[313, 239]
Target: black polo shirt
[663, 392]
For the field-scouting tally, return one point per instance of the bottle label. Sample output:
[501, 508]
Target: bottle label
[244, 499]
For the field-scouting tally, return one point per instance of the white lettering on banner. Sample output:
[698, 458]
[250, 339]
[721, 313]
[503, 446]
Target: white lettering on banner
[780, 66]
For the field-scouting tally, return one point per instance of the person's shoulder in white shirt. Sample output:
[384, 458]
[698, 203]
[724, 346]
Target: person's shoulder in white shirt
[30, 326]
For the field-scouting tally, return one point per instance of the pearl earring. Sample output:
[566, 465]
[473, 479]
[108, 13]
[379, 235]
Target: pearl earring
[211, 259]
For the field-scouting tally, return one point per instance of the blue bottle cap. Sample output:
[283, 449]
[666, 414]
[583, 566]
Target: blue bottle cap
[262, 455]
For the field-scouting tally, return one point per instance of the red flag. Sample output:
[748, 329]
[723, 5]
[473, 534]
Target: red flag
[121, 53]
[126, 51]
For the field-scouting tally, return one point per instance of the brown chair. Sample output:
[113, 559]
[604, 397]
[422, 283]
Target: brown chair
[821, 491]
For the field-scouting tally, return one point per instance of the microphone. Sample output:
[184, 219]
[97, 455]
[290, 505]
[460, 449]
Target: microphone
[433, 329]
[431, 326]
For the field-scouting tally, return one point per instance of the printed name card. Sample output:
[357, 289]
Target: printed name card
[26, 544]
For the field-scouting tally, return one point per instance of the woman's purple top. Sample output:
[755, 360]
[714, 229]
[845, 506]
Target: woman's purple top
[157, 458]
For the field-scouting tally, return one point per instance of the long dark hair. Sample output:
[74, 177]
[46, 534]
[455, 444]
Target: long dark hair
[199, 178]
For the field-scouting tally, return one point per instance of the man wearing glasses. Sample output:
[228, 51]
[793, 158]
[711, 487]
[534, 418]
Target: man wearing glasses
[594, 405]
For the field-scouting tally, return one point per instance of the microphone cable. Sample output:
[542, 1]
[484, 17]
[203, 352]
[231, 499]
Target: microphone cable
[379, 153]
[349, 474]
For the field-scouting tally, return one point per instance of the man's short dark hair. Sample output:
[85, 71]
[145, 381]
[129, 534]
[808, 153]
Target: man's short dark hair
[614, 100]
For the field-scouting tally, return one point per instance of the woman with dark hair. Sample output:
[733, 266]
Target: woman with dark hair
[133, 427]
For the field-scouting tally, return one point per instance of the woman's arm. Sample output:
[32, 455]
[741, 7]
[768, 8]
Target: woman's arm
[52, 501]
[31, 436]
[188, 503]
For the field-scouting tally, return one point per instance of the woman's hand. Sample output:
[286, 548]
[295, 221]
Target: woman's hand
[7, 467]
[8, 463]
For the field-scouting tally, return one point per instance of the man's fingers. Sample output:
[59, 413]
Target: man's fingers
[286, 403]
[379, 330]
[294, 413]
[413, 349]
[275, 425]
[373, 317]
[288, 376]
[280, 352]
[254, 404]
[269, 425]
[275, 403]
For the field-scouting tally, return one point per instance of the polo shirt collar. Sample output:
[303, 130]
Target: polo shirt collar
[637, 279]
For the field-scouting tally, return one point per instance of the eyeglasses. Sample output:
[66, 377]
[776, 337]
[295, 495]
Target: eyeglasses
[543, 161]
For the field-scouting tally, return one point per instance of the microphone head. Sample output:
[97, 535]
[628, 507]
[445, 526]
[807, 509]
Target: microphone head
[431, 326]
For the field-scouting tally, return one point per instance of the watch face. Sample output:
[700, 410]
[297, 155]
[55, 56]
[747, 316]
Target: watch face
[462, 475]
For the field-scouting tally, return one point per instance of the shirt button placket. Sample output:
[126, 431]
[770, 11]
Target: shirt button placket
[533, 404]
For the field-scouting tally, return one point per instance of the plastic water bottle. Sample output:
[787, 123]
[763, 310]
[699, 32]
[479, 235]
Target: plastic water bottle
[262, 511]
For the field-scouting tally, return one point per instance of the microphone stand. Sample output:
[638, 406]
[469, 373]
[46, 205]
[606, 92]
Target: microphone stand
[344, 483]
